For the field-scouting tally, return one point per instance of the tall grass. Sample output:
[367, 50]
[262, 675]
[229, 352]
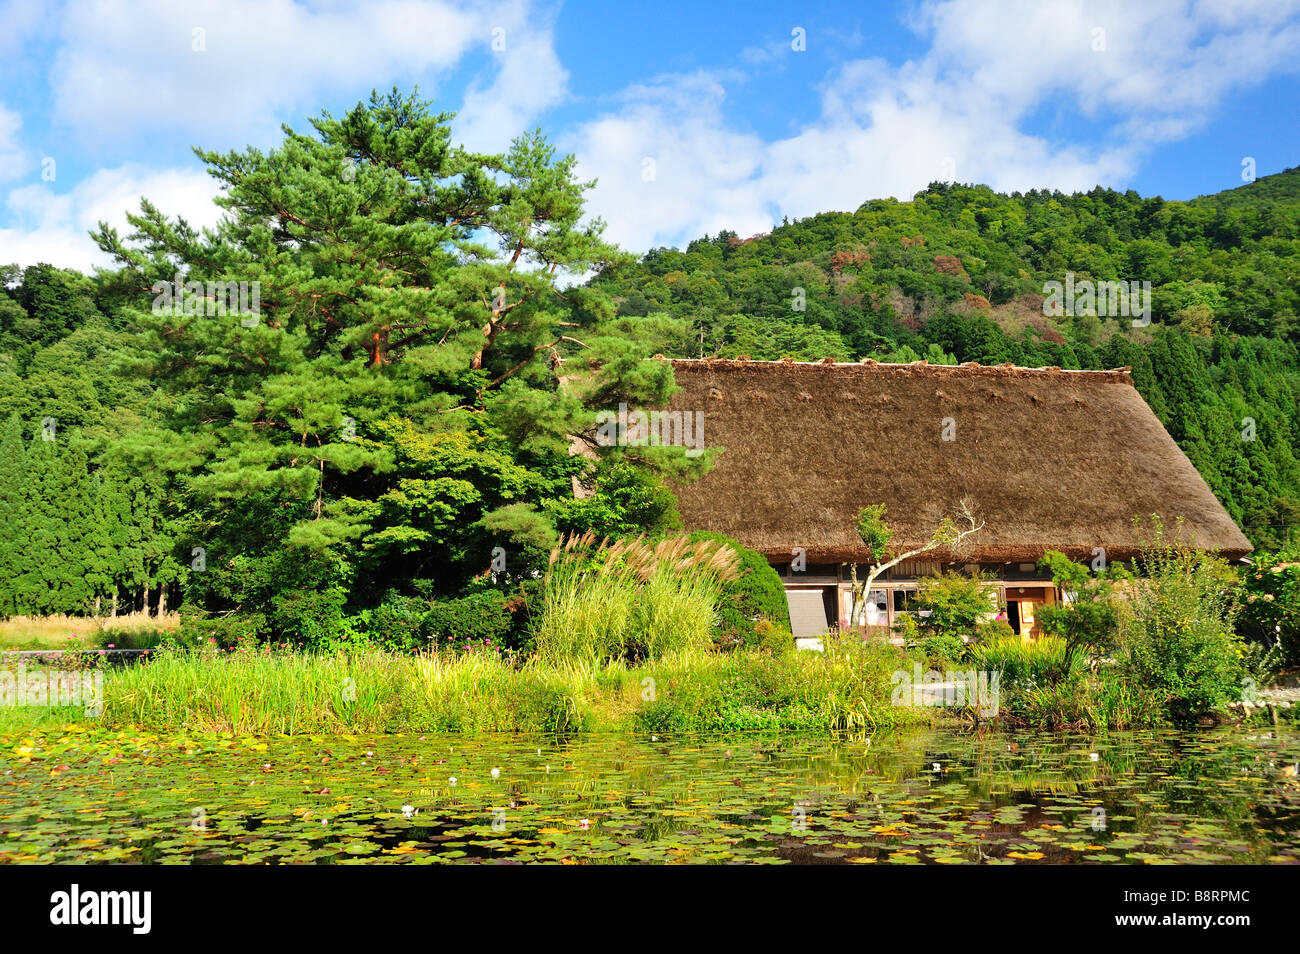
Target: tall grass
[300, 693]
[630, 599]
[1047, 684]
[1026, 665]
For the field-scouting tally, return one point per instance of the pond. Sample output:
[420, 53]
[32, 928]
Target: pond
[935, 796]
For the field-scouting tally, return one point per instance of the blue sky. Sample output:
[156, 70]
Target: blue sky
[694, 117]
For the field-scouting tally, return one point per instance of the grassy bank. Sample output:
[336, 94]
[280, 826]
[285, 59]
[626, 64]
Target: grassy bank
[846, 688]
[133, 630]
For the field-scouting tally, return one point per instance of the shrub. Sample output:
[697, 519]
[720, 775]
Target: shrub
[950, 604]
[774, 638]
[1027, 665]
[1089, 621]
[399, 623]
[478, 620]
[943, 648]
[626, 500]
[1271, 603]
[1177, 638]
[994, 630]
[201, 630]
[755, 595]
[313, 618]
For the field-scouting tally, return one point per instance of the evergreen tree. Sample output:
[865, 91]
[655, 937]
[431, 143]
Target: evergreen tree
[13, 498]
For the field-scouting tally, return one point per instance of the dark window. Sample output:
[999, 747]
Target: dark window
[904, 601]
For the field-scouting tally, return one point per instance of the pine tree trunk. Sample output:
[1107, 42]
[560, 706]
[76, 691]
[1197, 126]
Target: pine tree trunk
[144, 599]
[162, 600]
[112, 604]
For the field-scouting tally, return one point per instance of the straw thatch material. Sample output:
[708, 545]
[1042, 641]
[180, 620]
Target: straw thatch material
[1050, 459]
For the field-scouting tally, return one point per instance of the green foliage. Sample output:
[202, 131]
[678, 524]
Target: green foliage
[1271, 602]
[397, 624]
[873, 530]
[395, 410]
[1178, 641]
[73, 541]
[844, 688]
[1088, 618]
[950, 604]
[753, 610]
[627, 501]
[1028, 664]
[774, 638]
[992, 630]
[942, 648]
[478, 621]
[308, 617]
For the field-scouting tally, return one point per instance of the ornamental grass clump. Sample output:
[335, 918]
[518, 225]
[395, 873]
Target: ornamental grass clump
[630, 599]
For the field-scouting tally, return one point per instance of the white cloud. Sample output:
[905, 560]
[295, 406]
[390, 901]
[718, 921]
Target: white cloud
[529, 80]
[13, 161]
[227, 71]
[52, 227]
[956, 112]
[668, 167]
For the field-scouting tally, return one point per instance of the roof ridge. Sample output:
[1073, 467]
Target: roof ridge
[969, 366]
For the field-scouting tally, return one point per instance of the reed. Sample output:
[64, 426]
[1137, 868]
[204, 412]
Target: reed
[630, 599]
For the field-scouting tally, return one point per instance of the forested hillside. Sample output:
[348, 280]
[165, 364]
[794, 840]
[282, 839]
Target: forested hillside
[390, 428]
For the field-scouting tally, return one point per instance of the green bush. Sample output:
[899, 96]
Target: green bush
[399, 623]
[774, 638]
[1271, 602]
[994, 630]
[311, 618]
[627, 500]
[757, 594]
[949, 604]
[1027, 665]
[1177, 637]
[480, 620]
[1089, 622]
[943, 648]
[202, 630]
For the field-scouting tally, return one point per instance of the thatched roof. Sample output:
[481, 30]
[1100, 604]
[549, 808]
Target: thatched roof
[1050, 459]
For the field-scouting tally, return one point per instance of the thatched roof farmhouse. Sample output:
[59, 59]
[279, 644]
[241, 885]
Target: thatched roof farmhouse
[1052, 460]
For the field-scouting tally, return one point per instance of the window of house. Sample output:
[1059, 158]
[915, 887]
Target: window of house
[904, 601]
[877, 608]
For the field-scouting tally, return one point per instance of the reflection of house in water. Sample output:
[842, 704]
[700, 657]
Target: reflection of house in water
[1051, 459]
